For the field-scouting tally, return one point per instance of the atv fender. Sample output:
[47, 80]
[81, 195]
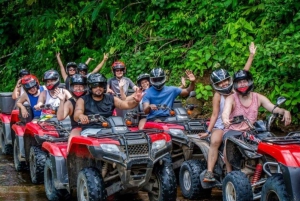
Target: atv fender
[18, 129]
[202, 144]
[247, 150]
[5, 118]
[55, 149]
[14, 116]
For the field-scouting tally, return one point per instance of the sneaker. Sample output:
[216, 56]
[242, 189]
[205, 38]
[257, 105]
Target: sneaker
[209, 177]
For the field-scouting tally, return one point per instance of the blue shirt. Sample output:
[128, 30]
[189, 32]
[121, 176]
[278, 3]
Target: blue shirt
[165, 96]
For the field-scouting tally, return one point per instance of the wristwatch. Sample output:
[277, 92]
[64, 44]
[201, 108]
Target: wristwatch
[208, 132]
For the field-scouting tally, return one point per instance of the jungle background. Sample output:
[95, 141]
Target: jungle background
[200, 35]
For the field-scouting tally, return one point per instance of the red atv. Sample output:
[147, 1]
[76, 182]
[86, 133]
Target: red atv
[283, 167]
[29, 137]
[110, 159]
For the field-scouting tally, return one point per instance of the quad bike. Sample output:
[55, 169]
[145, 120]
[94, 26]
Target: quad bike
[246, 180]
[7, 118]
[179, 125]
[29, 136]
[110, 159]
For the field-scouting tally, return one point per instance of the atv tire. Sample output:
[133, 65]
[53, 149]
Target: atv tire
[52, 193]
[189, 180]
[163, 181]
[37, 159]
[19, 165]
[90, 186]
[236, 186]
[274, 189]
[7, 149]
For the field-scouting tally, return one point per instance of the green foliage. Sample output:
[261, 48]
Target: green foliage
[203, 92]
[200, 35]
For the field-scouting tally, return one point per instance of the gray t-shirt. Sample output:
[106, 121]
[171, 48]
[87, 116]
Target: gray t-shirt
[113, 83]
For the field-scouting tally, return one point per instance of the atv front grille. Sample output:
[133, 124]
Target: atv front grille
[138, 149]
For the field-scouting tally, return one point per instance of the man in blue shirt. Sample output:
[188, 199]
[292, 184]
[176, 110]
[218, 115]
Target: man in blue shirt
[163, 95]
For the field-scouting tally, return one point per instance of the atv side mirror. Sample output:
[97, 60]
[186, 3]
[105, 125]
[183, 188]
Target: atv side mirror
[192, 94]
[280, 100]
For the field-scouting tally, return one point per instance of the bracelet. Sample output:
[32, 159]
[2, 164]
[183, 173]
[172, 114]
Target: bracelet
[208, 132]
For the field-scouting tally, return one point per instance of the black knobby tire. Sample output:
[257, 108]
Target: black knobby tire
[274, 189]
[7, 149]
[189, 180]
[90, 185]
[52, 193]
[236, 186]
[37, 159]
[19, 165]
[164, 182]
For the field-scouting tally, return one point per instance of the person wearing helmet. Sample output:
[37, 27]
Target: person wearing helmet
[119, 69]
[99, 102]
[72, 68]
[222, 83]
[18, 90]
[32, 90]
[52, 80]
[68, 71]
[78, 88]
[158, 93]
[245, 102]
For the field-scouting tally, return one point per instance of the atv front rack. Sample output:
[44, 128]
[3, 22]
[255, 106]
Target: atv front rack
[49, 125]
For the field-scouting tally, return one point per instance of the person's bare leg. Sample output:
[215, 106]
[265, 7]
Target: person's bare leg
[142, 123]
[74, 132]
[215, 142]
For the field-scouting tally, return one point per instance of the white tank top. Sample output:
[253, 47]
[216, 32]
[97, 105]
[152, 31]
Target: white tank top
[219, 123]
[53, 101]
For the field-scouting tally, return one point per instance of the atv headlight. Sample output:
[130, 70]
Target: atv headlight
[158, 144]
[112, 148]
[177, 132]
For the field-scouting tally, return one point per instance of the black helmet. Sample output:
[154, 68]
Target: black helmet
[78, 79]
[157, 78]
[118, 65]
[51, 75]
[23, 72]
[243, 75]
[82, 67]
[218, 76]
[144, 76]
[71, 64]
[97, 79]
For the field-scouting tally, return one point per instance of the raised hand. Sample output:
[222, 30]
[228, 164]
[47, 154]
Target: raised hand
[59, 94]
[122, 83]
[190, 75]
[138, 95]
[105, 56]
[252, 48]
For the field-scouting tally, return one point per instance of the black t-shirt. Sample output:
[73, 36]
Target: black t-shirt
[103, 107]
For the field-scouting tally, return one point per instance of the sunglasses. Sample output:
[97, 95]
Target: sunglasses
[119, 70]
[72, 69]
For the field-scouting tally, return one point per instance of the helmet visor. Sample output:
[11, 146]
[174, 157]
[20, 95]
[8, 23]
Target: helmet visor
[29, 85]
[157, 80]
[97, 84]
